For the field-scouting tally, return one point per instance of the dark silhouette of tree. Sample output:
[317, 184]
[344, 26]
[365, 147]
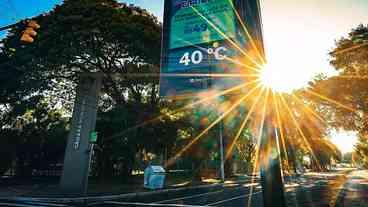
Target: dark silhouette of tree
[119, 41]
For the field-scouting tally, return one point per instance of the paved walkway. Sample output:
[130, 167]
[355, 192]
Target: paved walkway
[343, 188]
[355, 190]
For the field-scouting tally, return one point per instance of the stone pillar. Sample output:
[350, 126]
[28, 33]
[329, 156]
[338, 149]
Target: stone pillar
[76, 160]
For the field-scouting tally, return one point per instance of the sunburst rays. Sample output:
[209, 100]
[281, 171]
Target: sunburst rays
[297, 125]
[263, 103]
[330, 100]
[258, 141]
[243, 124]
[232, 42]
[220, 118]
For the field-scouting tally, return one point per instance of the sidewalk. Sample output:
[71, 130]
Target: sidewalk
[346, 188]
[355, 190]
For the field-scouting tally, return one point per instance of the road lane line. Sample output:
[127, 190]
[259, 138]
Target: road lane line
[234, 198]
[148, 204]
[199, 195]
[46, 204]
[108, 197]
[19, 205]
[33, 202]
[187, 197]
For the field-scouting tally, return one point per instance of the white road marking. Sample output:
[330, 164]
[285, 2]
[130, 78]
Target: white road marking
[234, 198]
[18, 205]
[110, 197]
[48, 204]
[31, 203]
[187, 197]
[195, 196]
[148, 204]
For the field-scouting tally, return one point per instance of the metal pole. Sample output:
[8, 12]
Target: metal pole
[222, 167]
[90, 151]
[270, 166]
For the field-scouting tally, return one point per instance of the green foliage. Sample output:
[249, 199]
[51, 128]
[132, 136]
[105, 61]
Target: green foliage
[245, 150]
[122, 43]
[347, 158]
[34, 136]
[121, 150]
[7, 152]
[85, 36]
[323, 154]
[349, 89]
[361, 150]
[343, 99]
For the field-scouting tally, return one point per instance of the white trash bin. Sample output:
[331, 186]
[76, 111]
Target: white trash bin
[154, 177]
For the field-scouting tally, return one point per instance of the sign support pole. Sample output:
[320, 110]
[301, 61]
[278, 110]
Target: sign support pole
[222, 170]
[270, 168]
[90, 151]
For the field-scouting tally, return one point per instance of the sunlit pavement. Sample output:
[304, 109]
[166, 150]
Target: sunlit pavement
[231, 194]
[355, 192]
[228, 194]
[340, 188]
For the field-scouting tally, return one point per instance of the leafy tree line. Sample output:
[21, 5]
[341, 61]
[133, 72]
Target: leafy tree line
[38, 80]
[343, 99]
[38, 84]
[77, 37]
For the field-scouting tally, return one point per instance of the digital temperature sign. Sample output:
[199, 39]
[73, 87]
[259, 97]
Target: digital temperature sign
[198, 41]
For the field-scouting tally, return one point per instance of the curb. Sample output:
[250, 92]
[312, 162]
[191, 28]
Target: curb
[110, 197]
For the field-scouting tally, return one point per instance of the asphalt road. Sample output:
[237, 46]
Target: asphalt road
[229, 195]
[341, 188]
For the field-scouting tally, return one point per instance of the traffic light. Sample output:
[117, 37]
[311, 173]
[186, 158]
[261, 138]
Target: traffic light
[29, 33]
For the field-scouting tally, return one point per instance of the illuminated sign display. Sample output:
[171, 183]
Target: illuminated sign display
[198, 40]
[197, 22]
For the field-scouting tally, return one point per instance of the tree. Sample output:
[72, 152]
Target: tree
[8, 146]
[91, 36]
[342, 99]
[122, 150]
[361, 152]
[347, 158]
[34, 138]
[303, 133]
[348, 108]
[119, 41]
[246, 149]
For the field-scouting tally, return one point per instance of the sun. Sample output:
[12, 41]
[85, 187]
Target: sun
[272, 77]
[280, 77]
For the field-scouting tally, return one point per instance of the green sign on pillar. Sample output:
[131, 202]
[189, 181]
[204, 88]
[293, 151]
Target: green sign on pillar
[93, 137]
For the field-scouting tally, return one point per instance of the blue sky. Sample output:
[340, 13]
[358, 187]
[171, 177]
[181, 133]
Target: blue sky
[156, 8]
[13, 10]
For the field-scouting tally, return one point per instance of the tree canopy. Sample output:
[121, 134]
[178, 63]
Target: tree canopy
[121, 42]
[343, 99]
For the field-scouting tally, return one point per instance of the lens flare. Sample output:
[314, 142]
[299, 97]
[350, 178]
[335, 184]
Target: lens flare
[271, 77]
